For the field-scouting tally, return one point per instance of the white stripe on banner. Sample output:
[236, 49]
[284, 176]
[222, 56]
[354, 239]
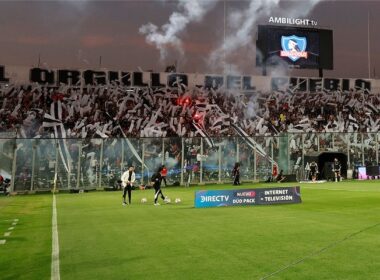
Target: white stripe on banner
[60, 148]
[204, 134]
[60, 134]
[50, 118]
[252, 143]
[59, 110]
[67, 153]
[55, 274]
[133, 150]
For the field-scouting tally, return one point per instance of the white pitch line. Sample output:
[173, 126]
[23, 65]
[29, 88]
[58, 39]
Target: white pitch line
[2, 241]
[55, 274]
[7, 233]
[11, 228]
[13, 224]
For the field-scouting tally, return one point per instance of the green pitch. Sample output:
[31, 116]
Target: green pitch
[333, 234]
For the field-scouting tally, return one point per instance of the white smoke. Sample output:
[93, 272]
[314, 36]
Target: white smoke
[171, 162]
[252, 107]
[81, 57]
[242, 24]
[169, 34]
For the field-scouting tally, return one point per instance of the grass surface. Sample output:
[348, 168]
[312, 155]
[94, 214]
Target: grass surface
[27, 251]
[333, 234]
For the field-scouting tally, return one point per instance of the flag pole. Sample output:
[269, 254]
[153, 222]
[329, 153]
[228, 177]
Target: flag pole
[224, 37]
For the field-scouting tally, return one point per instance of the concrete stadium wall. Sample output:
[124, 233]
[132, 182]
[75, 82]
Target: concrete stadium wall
[25, 75]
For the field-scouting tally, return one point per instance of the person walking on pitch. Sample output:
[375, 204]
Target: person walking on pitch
[128, 178]
[156, 181]
[336, 169]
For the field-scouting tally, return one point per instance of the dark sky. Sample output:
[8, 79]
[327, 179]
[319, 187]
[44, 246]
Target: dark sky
[74, 34]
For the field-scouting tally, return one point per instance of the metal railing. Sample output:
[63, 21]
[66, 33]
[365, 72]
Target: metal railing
[66, 164]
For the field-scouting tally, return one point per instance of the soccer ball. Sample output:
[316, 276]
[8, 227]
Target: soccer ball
[177, 200]
[167, 200]
[144, 200]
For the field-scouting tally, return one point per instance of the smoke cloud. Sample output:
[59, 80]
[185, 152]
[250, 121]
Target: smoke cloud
[169, 34]
[242, 23]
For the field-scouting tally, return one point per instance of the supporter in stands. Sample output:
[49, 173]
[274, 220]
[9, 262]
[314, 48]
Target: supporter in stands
[113, 110]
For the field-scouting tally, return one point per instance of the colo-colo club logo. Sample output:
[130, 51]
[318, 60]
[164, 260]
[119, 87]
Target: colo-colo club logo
[293, 47]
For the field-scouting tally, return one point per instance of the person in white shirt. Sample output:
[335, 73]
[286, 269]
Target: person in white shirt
[128, 178]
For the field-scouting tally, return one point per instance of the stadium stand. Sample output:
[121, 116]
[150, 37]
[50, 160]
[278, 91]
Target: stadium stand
[108, 111]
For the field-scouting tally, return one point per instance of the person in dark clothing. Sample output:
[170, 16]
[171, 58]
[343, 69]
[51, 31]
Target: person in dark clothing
[336, 169]
[156, 181]
[128, 178]
[236, 174]
[5, 185]
[313, 171]
[280, 177]
[2, 183]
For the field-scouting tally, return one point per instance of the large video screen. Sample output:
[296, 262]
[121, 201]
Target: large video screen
[298, 47]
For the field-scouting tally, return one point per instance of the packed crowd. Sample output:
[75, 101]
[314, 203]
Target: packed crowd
[35, 111]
